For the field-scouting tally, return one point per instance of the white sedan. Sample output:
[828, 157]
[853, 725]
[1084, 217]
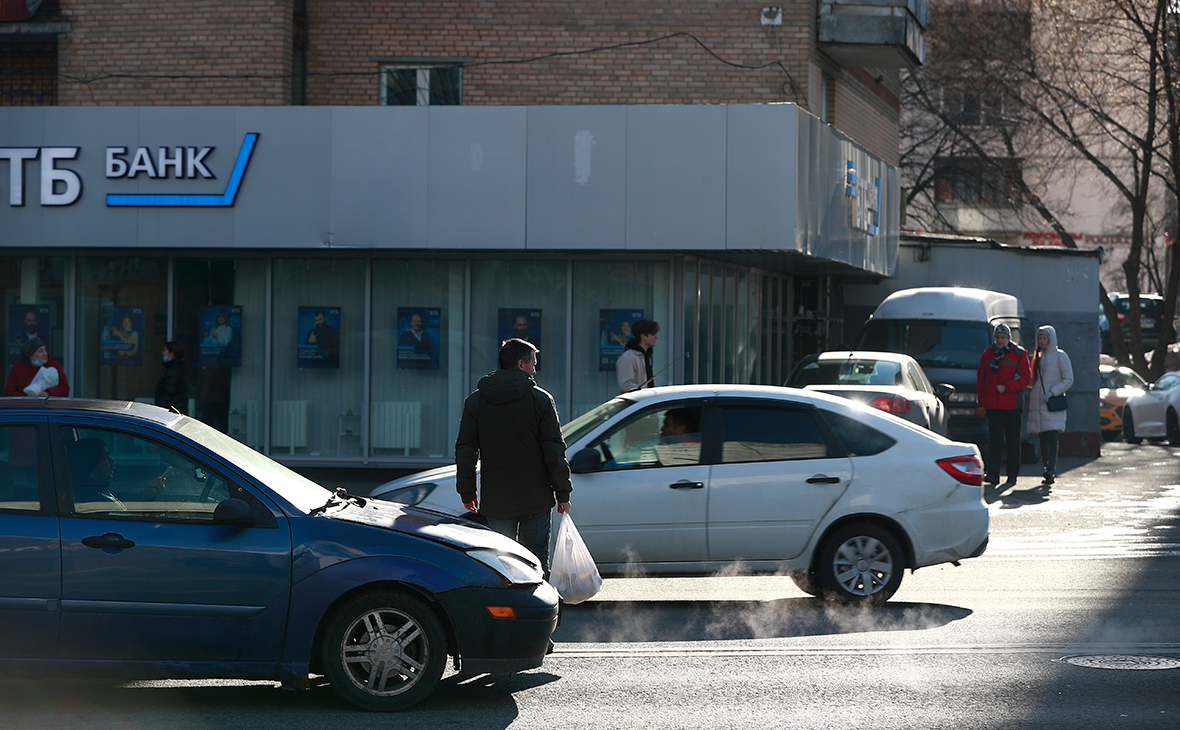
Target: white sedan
[689, 480]
[1152, 415]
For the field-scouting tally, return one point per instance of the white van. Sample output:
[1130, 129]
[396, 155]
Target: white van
[946, 329]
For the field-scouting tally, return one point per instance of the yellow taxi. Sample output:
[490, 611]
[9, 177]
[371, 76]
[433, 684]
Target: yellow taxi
[1118, 384]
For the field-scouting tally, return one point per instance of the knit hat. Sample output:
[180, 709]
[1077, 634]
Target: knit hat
[1002, 329]
[30, 347]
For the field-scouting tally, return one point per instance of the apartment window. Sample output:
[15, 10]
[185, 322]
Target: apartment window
[978, 182]
[417, 85]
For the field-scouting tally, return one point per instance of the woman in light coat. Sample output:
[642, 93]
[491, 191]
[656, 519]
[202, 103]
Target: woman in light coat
[1052, 375]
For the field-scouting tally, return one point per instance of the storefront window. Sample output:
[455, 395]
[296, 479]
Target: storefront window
[417, 368]
[34, 305]
[608, 297]
[318, 357]
[122, 326]
[219, 315]
[526, 299]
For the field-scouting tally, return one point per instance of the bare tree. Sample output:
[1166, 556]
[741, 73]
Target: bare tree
[1030, 90]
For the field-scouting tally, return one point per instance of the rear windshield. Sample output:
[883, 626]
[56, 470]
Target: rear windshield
[932, 342]
[854, 371]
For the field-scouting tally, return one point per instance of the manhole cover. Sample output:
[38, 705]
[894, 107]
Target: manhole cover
[1118, 661]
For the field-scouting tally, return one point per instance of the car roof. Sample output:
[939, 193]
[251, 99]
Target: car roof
[86, 405]
[721, 390]
[865, 355]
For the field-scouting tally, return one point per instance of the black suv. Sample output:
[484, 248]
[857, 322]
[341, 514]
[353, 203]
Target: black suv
[1151, 320]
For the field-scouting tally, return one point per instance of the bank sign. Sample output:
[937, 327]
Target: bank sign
[61, 185]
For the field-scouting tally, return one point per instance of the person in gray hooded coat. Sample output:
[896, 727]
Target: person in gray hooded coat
[1052, 375]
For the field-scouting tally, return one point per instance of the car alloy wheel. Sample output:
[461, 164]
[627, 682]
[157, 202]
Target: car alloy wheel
[384, 651]
[861, 564]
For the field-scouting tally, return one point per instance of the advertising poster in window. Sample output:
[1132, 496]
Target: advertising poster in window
[26, 321]
[419, 335]
[614, 331]
[221, 336]
[524, 324]
[122, 329]
[319, 337]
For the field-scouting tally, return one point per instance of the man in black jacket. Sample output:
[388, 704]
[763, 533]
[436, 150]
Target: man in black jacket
[510, 427]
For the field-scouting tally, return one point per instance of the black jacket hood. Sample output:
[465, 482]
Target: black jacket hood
[505, 386]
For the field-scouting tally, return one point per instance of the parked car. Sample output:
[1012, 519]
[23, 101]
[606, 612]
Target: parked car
[841, 496]
[1118, 384]
[137, 542]
[1153, 414]
[887, 381]
[1151, 320]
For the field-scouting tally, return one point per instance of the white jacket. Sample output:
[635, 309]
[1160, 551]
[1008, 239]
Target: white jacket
[1054, 377]
[630, 371]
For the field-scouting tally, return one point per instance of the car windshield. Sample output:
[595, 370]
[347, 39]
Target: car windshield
[303, 494]
[932, 342]
[856, 371]
[587, 422]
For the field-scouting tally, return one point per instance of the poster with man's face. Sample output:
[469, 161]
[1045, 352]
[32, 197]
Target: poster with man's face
[221, 336]
[524, 324]
[319, 337]
[121, 338]
[26, 321]
[614, 327]
[419, 336]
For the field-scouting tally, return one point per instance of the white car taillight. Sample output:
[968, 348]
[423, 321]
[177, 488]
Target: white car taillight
[892, 404]
[966, 469]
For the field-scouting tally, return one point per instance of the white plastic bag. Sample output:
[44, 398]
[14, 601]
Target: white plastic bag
[573, 572]
[45, 379]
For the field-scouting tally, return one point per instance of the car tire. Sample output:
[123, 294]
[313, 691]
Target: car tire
[1129, 428]
[1173, 428]
[379, 631]
[807, 581]
[860, 564]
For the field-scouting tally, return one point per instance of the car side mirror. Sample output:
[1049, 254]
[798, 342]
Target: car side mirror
[586, 461]
[944, 391]
[233, 512]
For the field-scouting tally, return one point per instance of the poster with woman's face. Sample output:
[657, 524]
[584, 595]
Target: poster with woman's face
[26, 321]
[319, 337]
[122, 332]
[419, 336]
[221, 336]
[614, 327]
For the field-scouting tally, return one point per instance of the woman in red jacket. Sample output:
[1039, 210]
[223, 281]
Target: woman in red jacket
[1004, 371]
[34, 357]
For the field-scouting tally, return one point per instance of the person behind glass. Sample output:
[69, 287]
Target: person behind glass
[633, 369]
[1003, 372]
[511, 429]
[31, 328]
[126, 334]
[37, 374]
[172, 387]
[1052, 374]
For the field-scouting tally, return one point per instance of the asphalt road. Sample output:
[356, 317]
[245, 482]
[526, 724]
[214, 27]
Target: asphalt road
[1070, 620]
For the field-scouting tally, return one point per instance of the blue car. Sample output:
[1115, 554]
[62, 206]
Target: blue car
[140, 543]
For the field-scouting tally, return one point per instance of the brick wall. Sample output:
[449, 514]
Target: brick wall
[345, 36]
[140, 51]
[867, 110]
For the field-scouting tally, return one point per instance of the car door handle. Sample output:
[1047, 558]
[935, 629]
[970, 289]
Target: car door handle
[821, 479]
[109, 540]
[687, 485]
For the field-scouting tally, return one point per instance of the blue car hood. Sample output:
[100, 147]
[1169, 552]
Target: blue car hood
[424, 523]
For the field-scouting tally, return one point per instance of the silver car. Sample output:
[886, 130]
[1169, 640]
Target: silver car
[887, 381]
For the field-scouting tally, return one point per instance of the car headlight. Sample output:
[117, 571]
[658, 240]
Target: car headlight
[411, 495]
[514, 568]
[963, 398]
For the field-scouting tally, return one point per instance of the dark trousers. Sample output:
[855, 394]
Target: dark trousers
[531, 531]
[1003, 428]
[1049, 452]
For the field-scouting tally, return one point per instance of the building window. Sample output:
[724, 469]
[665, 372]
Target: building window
[409, 85]
[978, 182]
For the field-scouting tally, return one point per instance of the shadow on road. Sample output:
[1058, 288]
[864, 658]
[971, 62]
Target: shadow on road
[627, 621]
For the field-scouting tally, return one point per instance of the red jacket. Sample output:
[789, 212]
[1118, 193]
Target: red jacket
[1014, 374]
[23, 373]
